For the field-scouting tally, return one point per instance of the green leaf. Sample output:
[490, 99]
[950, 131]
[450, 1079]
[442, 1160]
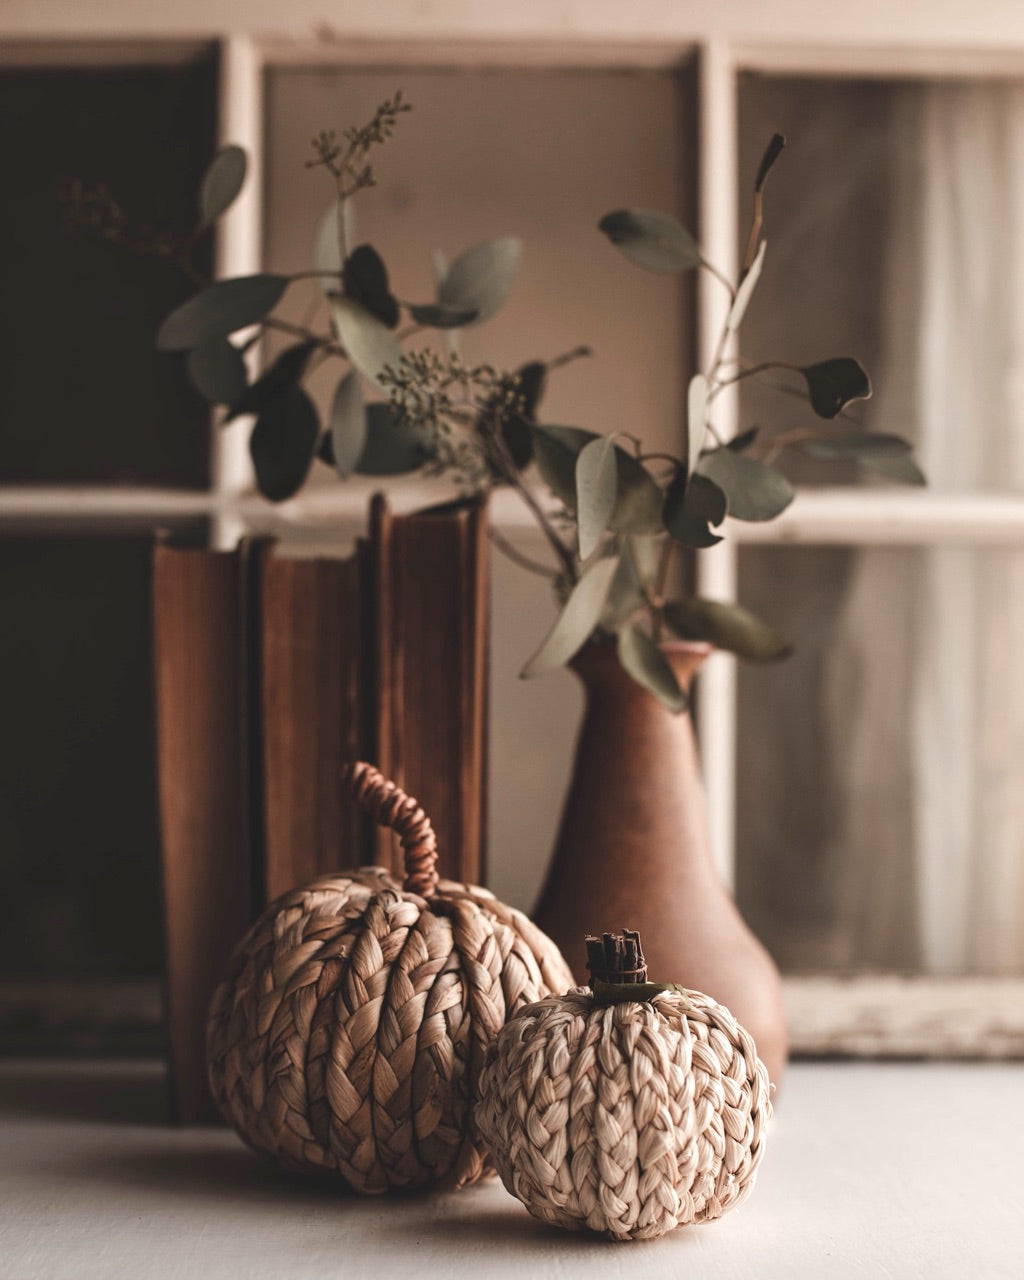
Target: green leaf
[596, 483]
[283, 443]
[575, 624]
[832, 384]
[365, 280]
[746, 291]
[727, 626]
[327, 249]
[221, 183]
[515, 431]
[696, 419]
[347, 424]
[283, 374]
[481, 278]
[393, 447]
[645, 662]
[744, 440]
[691, 507]
[857, 444]
[771, 154]
[217, 370]
[638, 500]
[433, 316]
[752, 490]
[902, 470]
[654, 241]
[220, 309]
[638, 564]
[368, 342]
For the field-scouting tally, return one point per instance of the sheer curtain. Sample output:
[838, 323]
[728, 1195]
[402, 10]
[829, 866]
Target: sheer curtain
[952, 619]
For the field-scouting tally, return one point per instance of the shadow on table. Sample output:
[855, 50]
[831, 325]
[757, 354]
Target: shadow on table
[91, 1092]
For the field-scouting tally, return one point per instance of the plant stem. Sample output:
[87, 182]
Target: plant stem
[514, 554]
[507, 469]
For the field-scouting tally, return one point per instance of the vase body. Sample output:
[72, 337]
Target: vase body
[633, 851]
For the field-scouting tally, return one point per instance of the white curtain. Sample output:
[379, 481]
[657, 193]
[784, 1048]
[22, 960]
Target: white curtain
[926, 686]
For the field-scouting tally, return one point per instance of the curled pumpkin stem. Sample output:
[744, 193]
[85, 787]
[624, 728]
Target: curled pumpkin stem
[389, 805]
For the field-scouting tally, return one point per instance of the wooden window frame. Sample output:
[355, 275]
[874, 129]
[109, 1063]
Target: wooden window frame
[887, 1014]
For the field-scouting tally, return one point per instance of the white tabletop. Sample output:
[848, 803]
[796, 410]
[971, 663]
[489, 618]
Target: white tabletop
[871, 1170]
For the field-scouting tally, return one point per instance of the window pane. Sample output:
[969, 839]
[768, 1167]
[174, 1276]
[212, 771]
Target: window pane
[892, 220]
[85, 396]
[538, 154]
[880, 805]
[77, 807]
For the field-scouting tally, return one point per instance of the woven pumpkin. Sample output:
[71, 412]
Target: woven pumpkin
[350, 1030]
[629, 1109]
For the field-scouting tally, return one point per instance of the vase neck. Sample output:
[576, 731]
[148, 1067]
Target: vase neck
[598, 668]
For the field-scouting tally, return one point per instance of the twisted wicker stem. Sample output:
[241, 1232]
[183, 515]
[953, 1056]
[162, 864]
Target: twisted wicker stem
[391, 807]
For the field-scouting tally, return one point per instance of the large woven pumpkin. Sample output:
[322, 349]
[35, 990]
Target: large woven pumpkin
[629, 1109]
[349, 1032]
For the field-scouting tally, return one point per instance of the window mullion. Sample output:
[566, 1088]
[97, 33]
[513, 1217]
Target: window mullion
[238, 252]
[716, 569]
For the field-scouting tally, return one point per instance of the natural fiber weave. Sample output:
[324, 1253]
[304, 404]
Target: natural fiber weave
[629, 1119]
[349, 1032]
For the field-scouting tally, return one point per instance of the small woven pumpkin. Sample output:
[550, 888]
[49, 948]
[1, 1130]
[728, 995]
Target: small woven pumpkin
[629, 1109]
[350, 1030]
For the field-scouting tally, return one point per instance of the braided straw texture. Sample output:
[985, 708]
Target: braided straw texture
[349, 1032]
[629, 1119]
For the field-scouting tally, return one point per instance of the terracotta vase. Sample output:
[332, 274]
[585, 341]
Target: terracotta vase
[633, 851]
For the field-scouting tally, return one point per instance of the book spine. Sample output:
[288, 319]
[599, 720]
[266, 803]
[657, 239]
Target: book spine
[201, 786]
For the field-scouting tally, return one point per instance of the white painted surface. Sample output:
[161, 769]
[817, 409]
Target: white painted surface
[909, 1172]
[941, 23]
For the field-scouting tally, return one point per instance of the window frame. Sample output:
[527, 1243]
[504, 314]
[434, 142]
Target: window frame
[884, 1015]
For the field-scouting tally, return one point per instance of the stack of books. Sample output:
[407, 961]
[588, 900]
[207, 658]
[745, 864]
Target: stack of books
[272, 672]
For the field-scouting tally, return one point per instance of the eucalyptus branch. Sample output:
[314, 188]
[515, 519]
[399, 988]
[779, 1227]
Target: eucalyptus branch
[721, 277]
[514, 554]
[509, 472]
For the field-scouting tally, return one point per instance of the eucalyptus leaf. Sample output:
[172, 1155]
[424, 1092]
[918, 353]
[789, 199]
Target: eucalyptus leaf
[221, 182]
[283, 443]
[771, 154]
[643, 660]
[596, 482]
[832, 384]
[365, 280]
[903, 470]
[392, 447]
[481, 278]
[327, 246]
[368, 342]
[727, 626]
[857, 444]
[655, 241]
[746, 291]
[638, 499]
[624, 595]
[691, 508]
[696, 419]
[515, 430]
[433, 316]
[744, 440]
[347, 424]
[753, 491]
[580, 615]
[217, 371]
[220, 309]
[284, 373]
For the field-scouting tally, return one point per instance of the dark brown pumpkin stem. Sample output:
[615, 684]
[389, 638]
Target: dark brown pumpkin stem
[391, 807]
[616, 958]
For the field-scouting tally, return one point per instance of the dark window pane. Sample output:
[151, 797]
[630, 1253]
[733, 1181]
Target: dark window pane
[83, 395]
[78, 824]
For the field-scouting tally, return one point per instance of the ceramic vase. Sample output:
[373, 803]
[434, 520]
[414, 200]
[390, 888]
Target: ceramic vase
[633, 851]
